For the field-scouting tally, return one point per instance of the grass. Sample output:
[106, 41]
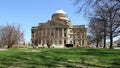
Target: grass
[66, 57]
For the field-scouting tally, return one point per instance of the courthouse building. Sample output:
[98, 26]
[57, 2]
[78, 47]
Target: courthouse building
[58, 31]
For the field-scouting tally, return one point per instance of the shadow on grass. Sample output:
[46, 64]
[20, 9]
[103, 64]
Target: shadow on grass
[115, 63]
[65, 58]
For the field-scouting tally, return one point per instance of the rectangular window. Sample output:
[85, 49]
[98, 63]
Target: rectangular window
[64, 34]
[70, 31]
[71, 36]
[82, 35]
[56, 29]
[60, 29]
[64, 41]
[82, 42]
[52, 34]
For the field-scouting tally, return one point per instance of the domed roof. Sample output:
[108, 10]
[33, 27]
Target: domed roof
[60, 11]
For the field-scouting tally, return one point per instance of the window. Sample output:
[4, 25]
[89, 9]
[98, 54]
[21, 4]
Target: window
[74, 42]
[64, 20]
[60, 42]
[60, 29]
[82, 35]
[52, 34]
[32, 32]
[78, 31]
[64, 41]
[82, 42]
[70, 31]
[78, 35]
[64, 29]
[70, 42]
[56, 28]
[64, 34]
[60, 20]
[71, 35]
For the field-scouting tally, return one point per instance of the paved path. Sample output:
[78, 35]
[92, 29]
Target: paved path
[1, 49]
[117, 48]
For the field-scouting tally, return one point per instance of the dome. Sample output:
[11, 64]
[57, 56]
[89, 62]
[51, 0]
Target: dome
[60, 11]
[60, 15]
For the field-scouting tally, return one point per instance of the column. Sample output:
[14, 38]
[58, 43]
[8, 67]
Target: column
[63, 36]
[52, 38]
[58, 32]
[67, 35]
[45, 43]
[50, 32]
[58, 37]
[45, 32]
[54, 32]
[41, 42]
[41, 34]
[85, 40]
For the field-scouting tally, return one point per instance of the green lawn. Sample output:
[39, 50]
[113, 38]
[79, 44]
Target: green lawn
[66, 57]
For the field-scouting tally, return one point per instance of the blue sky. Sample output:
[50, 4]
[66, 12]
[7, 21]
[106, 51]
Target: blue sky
[28, 13]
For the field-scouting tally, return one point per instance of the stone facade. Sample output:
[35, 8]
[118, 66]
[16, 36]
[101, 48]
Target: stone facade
[58, 31]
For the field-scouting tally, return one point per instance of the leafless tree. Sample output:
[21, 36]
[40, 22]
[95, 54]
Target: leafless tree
[10, 35]
[109, 13]
[95, 30]
[88, 5]
[101, 15]
[90, 39]
[113, 23]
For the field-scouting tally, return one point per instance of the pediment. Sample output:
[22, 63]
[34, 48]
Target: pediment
[54, 25]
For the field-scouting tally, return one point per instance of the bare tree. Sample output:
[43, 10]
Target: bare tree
[113, 24]
[96, 31]
[10, 35]
[109, 13]
[88, 5]
[101, 15]
[90, 39]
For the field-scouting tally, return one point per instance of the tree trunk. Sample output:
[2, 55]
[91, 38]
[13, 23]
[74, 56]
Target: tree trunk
[9, 46]
[104, 42]
[33, 45]
[48, 44]
[97, 44]
[111, 38]
[111, 41]
[104, 35]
